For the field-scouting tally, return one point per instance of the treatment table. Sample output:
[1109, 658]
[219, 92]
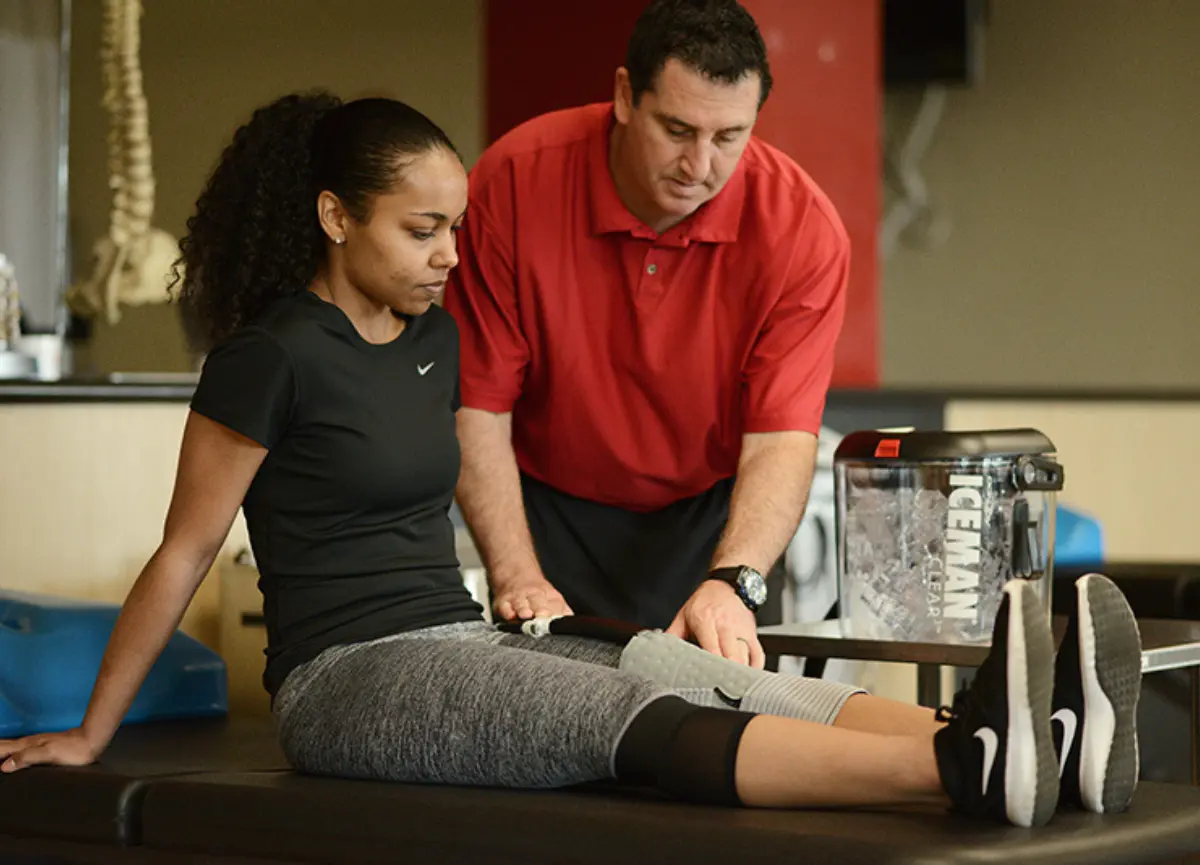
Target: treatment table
[219, 791]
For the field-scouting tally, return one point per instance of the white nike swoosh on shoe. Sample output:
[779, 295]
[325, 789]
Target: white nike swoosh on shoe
[421, 370]
[991, 744]
[1070, 723]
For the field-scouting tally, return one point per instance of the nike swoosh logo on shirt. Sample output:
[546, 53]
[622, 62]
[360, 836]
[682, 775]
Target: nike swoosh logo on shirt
[421, 370]
[991, 743]
[1070, 723]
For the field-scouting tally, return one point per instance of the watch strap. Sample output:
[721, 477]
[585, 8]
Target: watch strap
[731, 576]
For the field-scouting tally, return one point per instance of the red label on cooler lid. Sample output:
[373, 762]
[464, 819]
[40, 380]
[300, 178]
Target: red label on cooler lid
[887, 448]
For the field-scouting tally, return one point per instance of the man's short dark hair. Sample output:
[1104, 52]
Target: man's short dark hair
[717, 38]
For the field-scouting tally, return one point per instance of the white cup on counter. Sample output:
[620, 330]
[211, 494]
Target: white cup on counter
[50, 352]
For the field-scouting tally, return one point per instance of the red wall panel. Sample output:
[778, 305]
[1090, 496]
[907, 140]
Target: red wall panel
[543, 55]
[825, 112]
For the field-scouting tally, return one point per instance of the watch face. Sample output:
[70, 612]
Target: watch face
[753, 585]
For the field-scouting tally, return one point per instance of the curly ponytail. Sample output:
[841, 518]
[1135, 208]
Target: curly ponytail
[254, 236]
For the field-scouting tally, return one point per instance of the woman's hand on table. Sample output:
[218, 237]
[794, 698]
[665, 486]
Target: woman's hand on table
[69, 748]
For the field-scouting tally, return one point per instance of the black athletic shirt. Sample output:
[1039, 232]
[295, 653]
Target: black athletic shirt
[348, 514]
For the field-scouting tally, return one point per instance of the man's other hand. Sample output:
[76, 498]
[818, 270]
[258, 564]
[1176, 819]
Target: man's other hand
[715, 617]
[527, 598]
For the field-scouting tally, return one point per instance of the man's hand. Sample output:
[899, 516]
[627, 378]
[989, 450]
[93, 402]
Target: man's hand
[71, 748]
[527, 598]
[718, 620]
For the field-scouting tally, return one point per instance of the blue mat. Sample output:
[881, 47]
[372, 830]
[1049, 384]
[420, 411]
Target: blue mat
[1079, 540]
[50, 650]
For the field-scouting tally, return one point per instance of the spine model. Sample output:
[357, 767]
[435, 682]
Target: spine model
[10, 306]
[132, 262]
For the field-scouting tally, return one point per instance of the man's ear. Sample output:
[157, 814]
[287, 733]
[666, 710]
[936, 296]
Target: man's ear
[622, 96]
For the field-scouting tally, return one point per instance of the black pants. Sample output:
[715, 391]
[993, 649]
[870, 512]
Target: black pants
[620, 564]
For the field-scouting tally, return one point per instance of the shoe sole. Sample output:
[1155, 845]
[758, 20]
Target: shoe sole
[1031, 766]
[1110, 655]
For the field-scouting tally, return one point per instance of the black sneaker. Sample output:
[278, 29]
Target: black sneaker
[1097, 682]
[996, 753]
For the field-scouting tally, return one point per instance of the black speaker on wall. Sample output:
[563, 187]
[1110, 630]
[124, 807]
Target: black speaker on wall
[933, 42]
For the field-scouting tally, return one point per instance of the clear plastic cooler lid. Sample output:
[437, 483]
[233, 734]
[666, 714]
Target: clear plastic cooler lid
[919, 445]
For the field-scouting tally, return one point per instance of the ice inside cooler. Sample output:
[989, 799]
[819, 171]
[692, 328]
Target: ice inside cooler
[932, 524]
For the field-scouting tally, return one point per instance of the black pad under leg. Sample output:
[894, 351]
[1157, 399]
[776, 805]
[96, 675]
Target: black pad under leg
[685, 750]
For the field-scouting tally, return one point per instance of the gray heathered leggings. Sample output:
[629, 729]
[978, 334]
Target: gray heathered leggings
[468, 704]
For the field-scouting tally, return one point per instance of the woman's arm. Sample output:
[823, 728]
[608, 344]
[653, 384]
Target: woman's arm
[216, 466]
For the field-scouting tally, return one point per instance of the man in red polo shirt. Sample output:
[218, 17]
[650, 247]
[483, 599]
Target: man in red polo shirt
[648, 300]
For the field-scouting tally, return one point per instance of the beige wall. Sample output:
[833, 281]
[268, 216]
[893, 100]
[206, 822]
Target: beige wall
[209, 63]
[1132, 465]
[85, 493]
[1071, 176]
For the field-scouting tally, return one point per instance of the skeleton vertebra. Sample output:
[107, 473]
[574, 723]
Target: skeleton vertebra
[10, 306]
[132, 263]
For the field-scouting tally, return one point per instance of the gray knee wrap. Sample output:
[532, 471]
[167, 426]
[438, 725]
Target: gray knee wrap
[710, 680]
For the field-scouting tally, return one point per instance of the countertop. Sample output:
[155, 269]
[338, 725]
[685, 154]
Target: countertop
[161, 386]
[117, 387]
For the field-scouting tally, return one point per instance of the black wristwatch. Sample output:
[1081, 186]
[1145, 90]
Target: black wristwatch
[747, 582]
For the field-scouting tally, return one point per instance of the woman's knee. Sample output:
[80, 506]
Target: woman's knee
[685, 750]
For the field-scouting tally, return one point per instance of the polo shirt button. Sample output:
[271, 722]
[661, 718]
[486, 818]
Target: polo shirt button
[652, 269]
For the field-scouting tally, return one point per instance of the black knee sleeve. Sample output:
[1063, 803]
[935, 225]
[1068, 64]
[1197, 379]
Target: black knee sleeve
[687, 751]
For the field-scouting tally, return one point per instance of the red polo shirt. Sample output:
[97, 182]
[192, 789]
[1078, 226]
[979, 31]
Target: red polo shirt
[633, 362]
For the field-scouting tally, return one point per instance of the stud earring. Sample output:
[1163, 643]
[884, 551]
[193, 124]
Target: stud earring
[340, 241]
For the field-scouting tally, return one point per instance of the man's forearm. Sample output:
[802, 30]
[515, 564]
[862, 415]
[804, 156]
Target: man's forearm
[775, 472]
[489, 494]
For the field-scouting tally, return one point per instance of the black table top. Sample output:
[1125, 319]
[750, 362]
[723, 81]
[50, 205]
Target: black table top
[116, 387]
[1166, 644]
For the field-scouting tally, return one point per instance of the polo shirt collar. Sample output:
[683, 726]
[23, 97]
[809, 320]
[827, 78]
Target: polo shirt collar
[716, 221]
